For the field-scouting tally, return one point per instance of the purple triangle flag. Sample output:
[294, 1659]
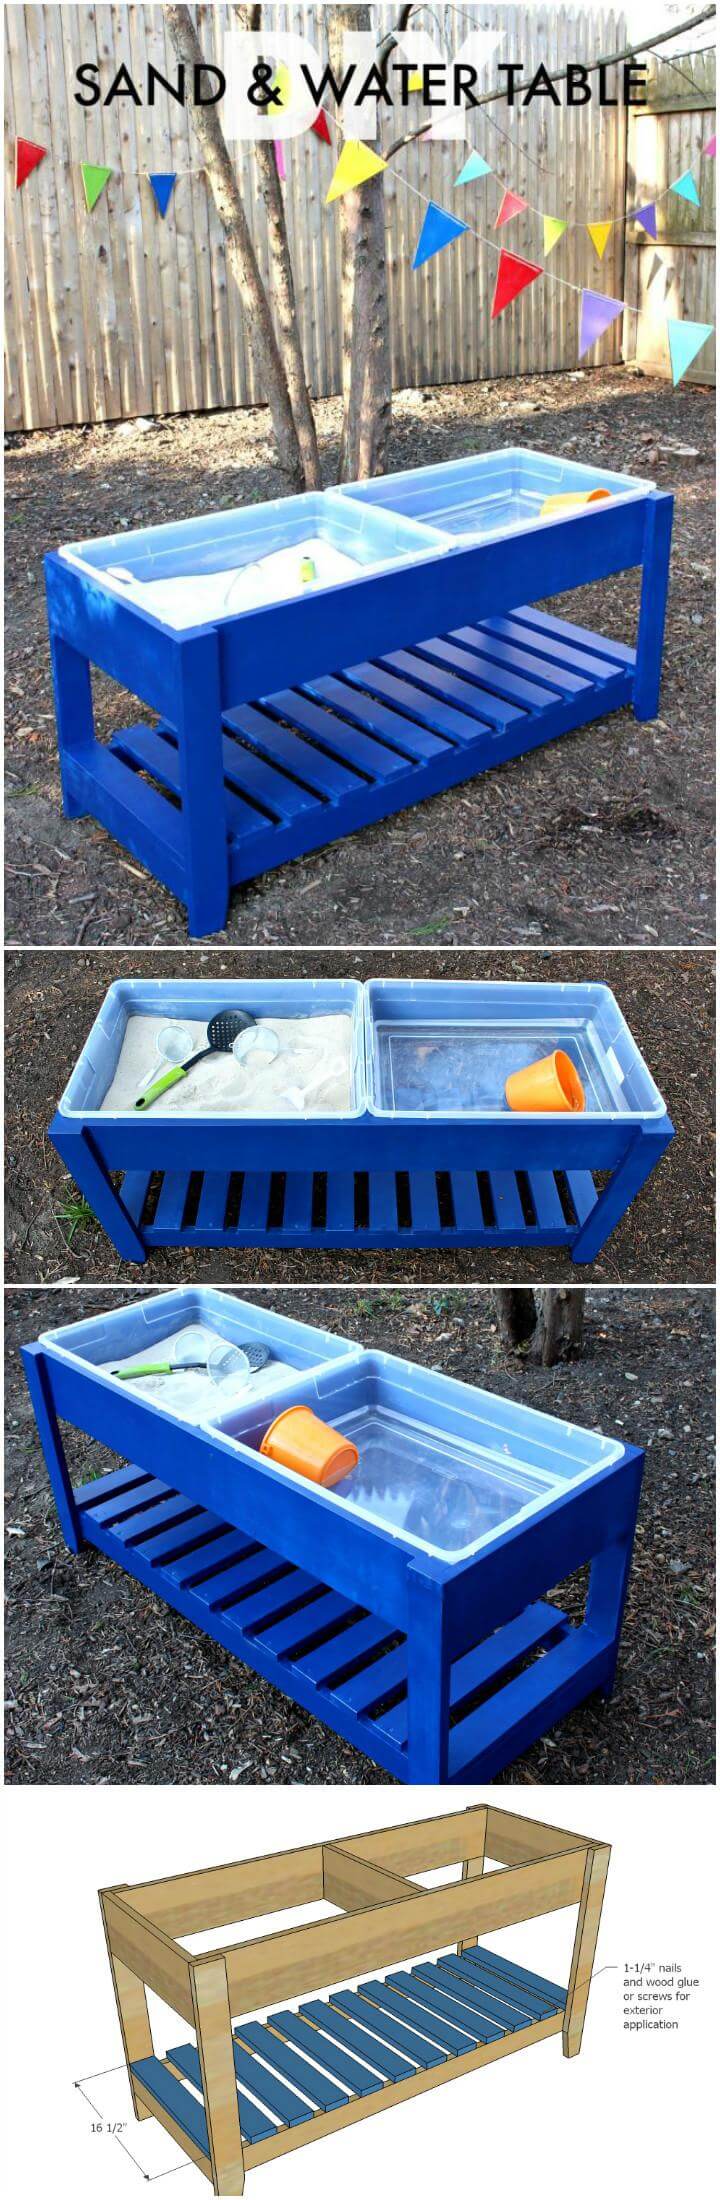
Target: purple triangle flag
[162, 187]
[596, 315]
[438, 229]
[646, 215]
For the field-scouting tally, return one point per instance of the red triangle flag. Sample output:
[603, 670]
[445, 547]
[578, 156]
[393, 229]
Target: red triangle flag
[27, 157]
[320, 127]
[513, 275]
[511, 204]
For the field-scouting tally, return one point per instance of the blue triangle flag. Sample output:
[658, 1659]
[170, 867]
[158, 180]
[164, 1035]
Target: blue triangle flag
[163, 189]
[438, 229]
[474, 166]
[686, 188]
[685, 340]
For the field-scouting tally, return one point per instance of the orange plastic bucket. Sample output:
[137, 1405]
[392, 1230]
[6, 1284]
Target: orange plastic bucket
[549, 1087]
[572, 496]
[298, 1439]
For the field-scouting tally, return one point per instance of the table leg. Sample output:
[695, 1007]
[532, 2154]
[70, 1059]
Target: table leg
[74, 715]
[75, 1147]
[428, 1681]
[622, 1187]
[213, 2028]
[653, 603]
[588, 1924]
[36, 1377]
[198, 718]
[132, 2011]
[473, 1868]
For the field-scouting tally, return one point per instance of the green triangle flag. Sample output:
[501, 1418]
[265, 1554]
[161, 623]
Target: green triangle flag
[94, 181]
[552, 229]
[686, 188]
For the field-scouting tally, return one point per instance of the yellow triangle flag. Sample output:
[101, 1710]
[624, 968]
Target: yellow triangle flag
[282, 85]
[415, 82]
[356, 164]
[552, 229]
[599, 233]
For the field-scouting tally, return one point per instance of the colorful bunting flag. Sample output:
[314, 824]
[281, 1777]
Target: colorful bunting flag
[320, 127]
[415, 82]
[356, 164]
[163, 187]
[709, 149]
[685, 340]
[598, 233]
[596, 315]
[513, 275]
[94, 181]
[686, 188]
[474, 166]
[438, 229]
[279, 151]
[27, 157]
[552, 229]
[647, 217]
[511, 205]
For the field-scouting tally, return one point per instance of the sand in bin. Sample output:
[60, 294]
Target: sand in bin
[193, 1394]
[311, 1075]
[186, 599]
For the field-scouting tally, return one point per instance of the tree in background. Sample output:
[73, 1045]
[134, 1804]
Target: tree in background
[547, 1323]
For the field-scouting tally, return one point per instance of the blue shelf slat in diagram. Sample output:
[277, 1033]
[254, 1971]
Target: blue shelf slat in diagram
[302, 2064]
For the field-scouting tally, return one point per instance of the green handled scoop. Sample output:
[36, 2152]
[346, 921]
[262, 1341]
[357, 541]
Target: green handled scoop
[159, 1367]
[222, 1031]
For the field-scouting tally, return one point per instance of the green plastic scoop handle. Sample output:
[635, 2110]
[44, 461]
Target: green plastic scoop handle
[159, 1367]
[171, 1077]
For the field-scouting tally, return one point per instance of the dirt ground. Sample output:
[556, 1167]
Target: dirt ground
[606, 835]
[667, 1234]
[106, 1684]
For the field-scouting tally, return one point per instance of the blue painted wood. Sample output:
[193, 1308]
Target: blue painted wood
[458, 2007]
[472, 1987]
[355, 2037]
[506, 1972]
[353, 2074]
[412, 2016]
[415, 2002]
[262, 779]
[416, 2050]
[253, 2124]
[424, 1989]
[285, 2103]
[181, 2105]
[428, 1666]
[265, 2042]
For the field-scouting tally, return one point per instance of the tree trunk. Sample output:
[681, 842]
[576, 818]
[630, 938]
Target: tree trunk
[550, 1325]
[241, 256]
[517, 1317]
[366, 384]
[561, 1316]
[283, 292]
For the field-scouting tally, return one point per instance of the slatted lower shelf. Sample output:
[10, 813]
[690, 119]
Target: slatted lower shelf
[308, 765]
[341, 1662]
[303, 2067]
[361, 1209]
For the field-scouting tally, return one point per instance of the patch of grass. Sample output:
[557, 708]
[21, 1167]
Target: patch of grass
[76, 1214]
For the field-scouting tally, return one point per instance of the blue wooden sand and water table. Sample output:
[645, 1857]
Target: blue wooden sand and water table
[320, 662]
[405, 1604]
[357, 1115]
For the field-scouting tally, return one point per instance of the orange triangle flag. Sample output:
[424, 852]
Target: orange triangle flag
[513, 275]
[511, 204]
[599, 233]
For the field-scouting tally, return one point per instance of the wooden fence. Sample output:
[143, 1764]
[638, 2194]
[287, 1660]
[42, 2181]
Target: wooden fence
[118, 313]
[676, 275]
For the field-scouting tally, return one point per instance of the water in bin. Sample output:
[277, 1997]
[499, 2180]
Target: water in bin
[444, 1494]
